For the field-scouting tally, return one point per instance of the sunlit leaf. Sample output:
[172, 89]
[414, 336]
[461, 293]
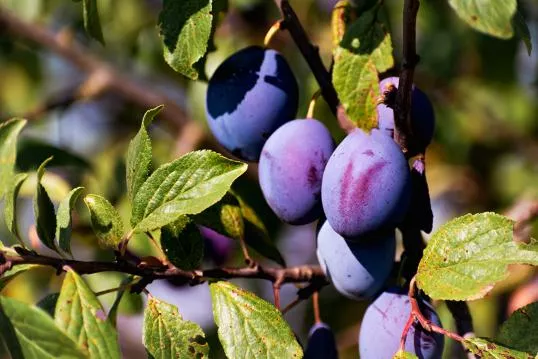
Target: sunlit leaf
[36, 332]
[10, 205]
[63, 219]
[187, 185]
[468, 255]
[168, 335]
[492, 17]
[489, 350]
[365, 50]
[250, 327]
[82, 317]
[106, 221]
[139, 155]
[9, 133]
[520, 331]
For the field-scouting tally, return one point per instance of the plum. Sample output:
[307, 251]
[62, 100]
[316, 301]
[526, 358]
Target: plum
[366, 185]
[250, 95]
[321, 343]
[383, 323]
[357, 270]
[291, 168]
[422, 114]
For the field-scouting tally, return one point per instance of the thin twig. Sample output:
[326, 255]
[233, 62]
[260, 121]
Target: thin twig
[111, 78]
[402, 109]
[312, 274]
[309, 52]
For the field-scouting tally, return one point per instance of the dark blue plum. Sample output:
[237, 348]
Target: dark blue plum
[422, 114]
[366, 185]
[321, 343]
[251, 94]
[383, 323]
[357, 270]
[291, 168]
[218, 247]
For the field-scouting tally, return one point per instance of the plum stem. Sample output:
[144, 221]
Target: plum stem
[310, 53]
[416, 316]
[277, 26]
[315, 303]
[312, 104]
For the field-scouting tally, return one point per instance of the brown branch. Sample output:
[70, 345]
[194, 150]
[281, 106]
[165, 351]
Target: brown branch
[309, 52]
[301, 274]
[109, 78]
[403, 133]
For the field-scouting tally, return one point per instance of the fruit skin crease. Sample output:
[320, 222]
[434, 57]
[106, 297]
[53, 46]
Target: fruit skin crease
[366, 185]
[250, 95]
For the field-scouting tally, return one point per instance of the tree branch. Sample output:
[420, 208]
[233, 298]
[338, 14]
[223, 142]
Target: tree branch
[403, 133]
[134, 266]
[309, 52]
[108, 77]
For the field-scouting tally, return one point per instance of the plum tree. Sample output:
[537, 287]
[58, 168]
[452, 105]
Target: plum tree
[290, 171]
[365, 185]
[357, 270]
[422, 114]
[321, 343]
[238, 111]
[383, 324]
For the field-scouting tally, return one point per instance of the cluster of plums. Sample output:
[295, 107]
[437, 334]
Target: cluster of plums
[362, 186]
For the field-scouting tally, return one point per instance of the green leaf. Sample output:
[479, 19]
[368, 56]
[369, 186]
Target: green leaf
[468, 255]
[167, 335]
[183, 244]
[404, 355]
[36, 332]
[185, 28]
[80, 314]
[92, 23]
[489, 350]
[44, 213]
[492, 17]
[10, 205]
[32, 152]
[139, 154]
[106, 221]
[256, 235]
[520, 331]
[14, 272]
[63, 219]
[48, 303]
[522, 30]
[250, 327]
[187, 185]
[224, 217]
[9, 132]
[365, 50]
[8, 336]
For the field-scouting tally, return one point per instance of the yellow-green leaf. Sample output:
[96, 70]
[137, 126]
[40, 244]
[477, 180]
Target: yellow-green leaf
[250, 327]
[468, 255]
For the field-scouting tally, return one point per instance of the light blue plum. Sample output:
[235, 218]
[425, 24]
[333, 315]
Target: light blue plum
[321, 343]
[291, 168]
[383, 324]
[422, 114]
[357, 270]
[366, 185]
[250, 95]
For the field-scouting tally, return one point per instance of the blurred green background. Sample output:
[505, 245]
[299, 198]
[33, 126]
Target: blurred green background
[484, 156]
